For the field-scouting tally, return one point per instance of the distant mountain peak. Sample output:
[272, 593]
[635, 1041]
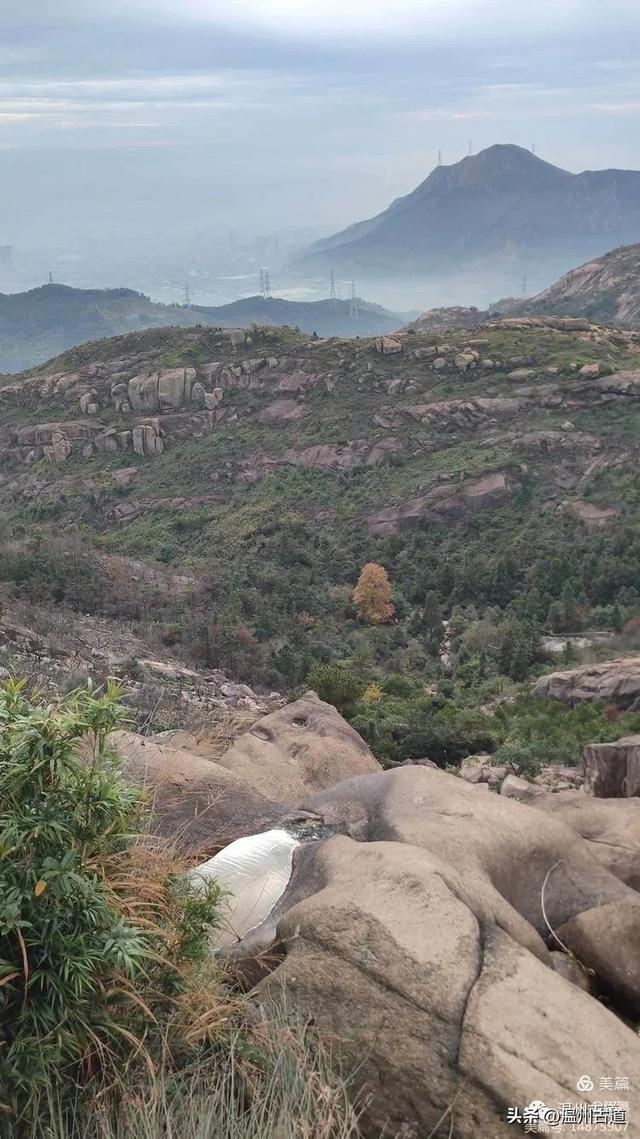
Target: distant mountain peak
[503, 167]
[505, 159]
[504, 209]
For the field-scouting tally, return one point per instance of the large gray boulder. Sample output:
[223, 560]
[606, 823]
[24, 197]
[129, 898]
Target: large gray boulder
[199, 805]
[299, 749]
[610, 827]
[419, 938]
[205, 796]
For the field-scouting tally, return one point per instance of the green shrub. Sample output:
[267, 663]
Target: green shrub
[83, 945]
[423, 728]
[535, 731]
[395, 685]
[337, 686]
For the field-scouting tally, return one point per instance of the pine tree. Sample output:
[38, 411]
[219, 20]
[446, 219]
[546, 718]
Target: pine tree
[372, 595]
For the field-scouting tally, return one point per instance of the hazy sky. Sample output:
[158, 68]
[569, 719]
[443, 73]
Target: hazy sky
[125, 118]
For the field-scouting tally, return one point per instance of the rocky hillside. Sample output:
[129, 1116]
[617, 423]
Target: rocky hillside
[190, 510]
[43, 322]
[605, 290]
[268, 467]
[501, 206]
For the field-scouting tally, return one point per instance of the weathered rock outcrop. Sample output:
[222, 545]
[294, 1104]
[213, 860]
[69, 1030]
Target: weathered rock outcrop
[619, 383]
[593, 517]
[179, 402]
[491, 491]
[610, 827]
[207, 797]
[389, 345]
[463, 412]
[133, 507]
[198, 804]
[304, 747]
[617, 681]
[283, 411]
[417, 938]
[147, 439]
[613, 770]
[322, 457]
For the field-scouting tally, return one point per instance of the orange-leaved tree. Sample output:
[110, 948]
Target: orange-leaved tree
[372, 594]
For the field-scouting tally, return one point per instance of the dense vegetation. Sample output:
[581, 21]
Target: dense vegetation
[267, 569]
[284, 621]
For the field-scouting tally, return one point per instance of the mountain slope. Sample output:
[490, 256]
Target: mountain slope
[218, 493]
[36, 325]
[605, 290]
[490, 469]
[503, 203]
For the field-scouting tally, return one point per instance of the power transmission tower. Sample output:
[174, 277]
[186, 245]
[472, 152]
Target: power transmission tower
[187, 296]
[332, 286]
[50, 277]
[439, 158]
[525, 287]
[265, 283]
[470, 147]
[354, 311]
[533, 147]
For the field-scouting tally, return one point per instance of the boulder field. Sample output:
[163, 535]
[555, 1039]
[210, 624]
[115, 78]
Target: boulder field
[467, 952]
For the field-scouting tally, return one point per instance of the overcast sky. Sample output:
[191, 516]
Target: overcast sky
[129, 117]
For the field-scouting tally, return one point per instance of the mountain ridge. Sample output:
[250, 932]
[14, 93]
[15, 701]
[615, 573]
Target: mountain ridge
[40, 323]
[504, 203]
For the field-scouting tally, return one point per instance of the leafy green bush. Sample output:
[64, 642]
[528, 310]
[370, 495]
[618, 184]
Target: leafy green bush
[395, 685]
[423, 728]
[83, 945]
[337, 686]
[535, 731]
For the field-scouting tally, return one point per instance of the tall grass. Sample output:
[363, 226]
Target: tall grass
[278, 1082]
